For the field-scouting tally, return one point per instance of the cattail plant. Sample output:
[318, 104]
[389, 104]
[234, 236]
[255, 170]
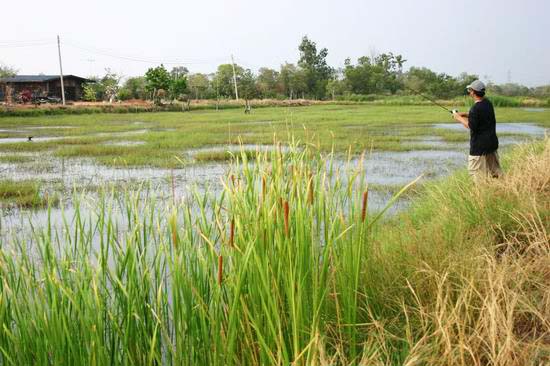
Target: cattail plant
[364, 205]
[220, 269]
[310, 189]
[173, 184]
[232, 233]
[286, 211]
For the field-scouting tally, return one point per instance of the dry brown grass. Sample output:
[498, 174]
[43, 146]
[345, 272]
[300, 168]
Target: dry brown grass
[485, 301]
[493, 308]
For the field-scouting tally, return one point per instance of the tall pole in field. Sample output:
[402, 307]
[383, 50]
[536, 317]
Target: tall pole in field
[61, 70]
[234, 78]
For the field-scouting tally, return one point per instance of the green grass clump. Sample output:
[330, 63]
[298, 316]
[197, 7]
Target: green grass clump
[21, 194]
[15, 159]
[210, 156]
[504, 101]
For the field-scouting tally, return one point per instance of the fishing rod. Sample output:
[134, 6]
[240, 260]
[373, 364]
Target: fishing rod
[431, 100]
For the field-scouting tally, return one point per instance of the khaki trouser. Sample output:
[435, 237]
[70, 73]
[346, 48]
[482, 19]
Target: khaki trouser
[486, 165]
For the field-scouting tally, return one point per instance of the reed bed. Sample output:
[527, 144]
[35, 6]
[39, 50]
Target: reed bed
[286, 266]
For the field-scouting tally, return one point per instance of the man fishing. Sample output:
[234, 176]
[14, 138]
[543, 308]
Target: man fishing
[480, 120]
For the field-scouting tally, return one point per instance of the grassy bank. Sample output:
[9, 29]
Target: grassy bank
[285, 267]
[211, 104]
[163, 136]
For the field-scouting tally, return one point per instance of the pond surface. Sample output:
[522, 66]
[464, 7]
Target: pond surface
[513, 128]
[435, 158]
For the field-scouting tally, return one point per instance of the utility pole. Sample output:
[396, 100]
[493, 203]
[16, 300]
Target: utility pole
[61, 70]
[234, 78]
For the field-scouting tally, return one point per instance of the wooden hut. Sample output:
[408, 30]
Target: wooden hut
[42, 86]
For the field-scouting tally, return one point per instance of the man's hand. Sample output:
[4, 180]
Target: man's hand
[461, 117]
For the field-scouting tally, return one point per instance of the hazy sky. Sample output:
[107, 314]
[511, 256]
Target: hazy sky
[494, 39]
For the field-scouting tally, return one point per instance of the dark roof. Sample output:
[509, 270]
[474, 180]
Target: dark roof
[38, 78]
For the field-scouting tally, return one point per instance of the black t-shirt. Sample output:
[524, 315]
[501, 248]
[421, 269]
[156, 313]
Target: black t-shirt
[482, 123]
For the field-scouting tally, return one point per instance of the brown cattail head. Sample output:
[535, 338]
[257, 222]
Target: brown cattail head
[263, 187]
[220, 270]
[310, 190]
[286, 212]
[232, 233]
[174, 237]
[364, 207]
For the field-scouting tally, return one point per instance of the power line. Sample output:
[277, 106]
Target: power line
[19, 41]
[135, 58]
[29, 44]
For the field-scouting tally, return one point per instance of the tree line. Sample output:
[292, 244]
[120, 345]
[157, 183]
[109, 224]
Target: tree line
[309, 78]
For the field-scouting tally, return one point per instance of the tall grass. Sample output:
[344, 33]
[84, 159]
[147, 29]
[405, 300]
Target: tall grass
[286, 267]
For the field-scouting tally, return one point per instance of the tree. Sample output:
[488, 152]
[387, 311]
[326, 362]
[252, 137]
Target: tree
[89, 93]
[266, 83]
[292, 81]
[224, 79]
[7, 71]
[134, 88]
[155, 79]
[542, 91]
[247, 85]
[337, 85]
[178, 82]
[378, 74]
[104, 88]
[438, 85]
[178, 88]
[509, 89]
[314, 64]
[198, 83]
[179, 72]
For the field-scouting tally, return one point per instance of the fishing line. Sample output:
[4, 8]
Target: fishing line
[428, 98]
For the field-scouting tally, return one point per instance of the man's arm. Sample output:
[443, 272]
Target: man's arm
[459, 117]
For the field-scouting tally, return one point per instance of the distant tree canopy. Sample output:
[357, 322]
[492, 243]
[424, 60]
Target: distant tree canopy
[310, 77]
[7, 71]
[439, 85]
[378, 75]
[156, 79]
[103, 88]
[293, 81]
[161, 84]
[199, 85]
[267, 83]
[134, 88]
[314, 65]
[223, 79]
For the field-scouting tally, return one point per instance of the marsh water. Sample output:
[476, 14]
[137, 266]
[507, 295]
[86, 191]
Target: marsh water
[385, 171]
